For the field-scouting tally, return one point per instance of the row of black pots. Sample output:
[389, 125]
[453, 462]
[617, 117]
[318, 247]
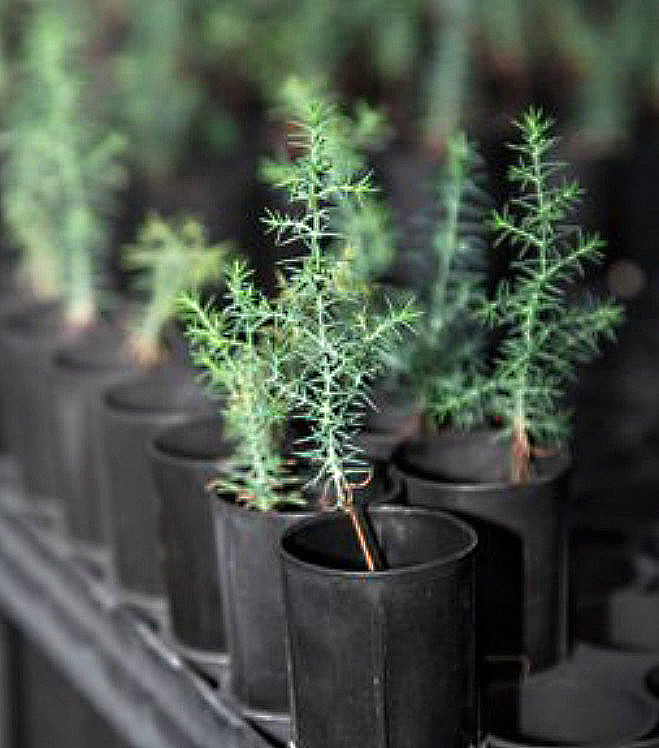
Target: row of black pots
[133, 413]
[86, 432]
[80, 436]
[567, 704]
[375, 658]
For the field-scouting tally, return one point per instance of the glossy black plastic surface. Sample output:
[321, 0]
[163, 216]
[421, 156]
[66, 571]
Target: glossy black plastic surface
[185, 461]
[521, 558]
[381, 659]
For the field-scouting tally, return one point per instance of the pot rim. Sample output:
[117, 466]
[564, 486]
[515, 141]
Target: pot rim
[493, 741]
[160, 452]
[303, 512]
[405, 470]
[168, 406]
[393, 491]
[592, 680]
[110, 355]
[403, 571]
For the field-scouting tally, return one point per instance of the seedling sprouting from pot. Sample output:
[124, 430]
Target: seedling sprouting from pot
[62, 172]
[236, 349]
[157, 100]
[170, 259]
[448, 350]
[338, 336]
[311, 352]
[543, 336]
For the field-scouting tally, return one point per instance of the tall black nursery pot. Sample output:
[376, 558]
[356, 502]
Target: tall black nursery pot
[247, 546]
[521, 562]
[28, 338]
[9, 304]
[81, 372]
[247, 543]
[133, 413]
[381, 659]
[185, 461]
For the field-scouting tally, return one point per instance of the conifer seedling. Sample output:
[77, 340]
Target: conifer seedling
[447, 352]
[62, 172]
[236, 348]
[323, 338]
[542, 334]
[339, 335]
[170, 258]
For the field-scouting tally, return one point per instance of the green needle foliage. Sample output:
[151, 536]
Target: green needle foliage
[157, 98]
[310, 353]
[170, 259]
[338, 336]
[62, 172]
[236, 348]
[447, 354]
[543, 336]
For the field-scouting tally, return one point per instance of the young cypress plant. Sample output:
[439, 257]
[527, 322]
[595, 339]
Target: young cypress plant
[311, 352]
[237, 350]
[62, 172]
[542, 335]
[169, 259]
[447, 353]
[157, 100]
[338, 336]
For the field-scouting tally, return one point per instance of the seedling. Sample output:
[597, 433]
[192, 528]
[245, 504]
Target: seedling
[236, 349]
[157, 101]
[170, 259]
[62, 173]
[542, 335]
[319, 344]
[448, 350]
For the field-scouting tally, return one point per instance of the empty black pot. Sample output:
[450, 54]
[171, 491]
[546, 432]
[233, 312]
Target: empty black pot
[570, 706]
[521, 559]
[133, 413]
[185, 461]
[381, 659]
[247, 547]
[82, 371]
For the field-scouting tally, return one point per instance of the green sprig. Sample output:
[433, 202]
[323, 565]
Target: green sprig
[235, 348]
[543, 336]
[170, 259]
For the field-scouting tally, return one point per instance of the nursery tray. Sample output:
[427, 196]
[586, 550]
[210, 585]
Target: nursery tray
[126, 669]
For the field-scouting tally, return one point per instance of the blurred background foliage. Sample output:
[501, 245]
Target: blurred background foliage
[191, 84]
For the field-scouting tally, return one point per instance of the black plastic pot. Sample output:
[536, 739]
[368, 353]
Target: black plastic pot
[82, 371]
[522, 555]
[569, 706]
[185, 460]
[11, 303]
[28, 339]
[381, 659]
[628, 619]
[133, 413]
[385, 428]
[247, 545]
